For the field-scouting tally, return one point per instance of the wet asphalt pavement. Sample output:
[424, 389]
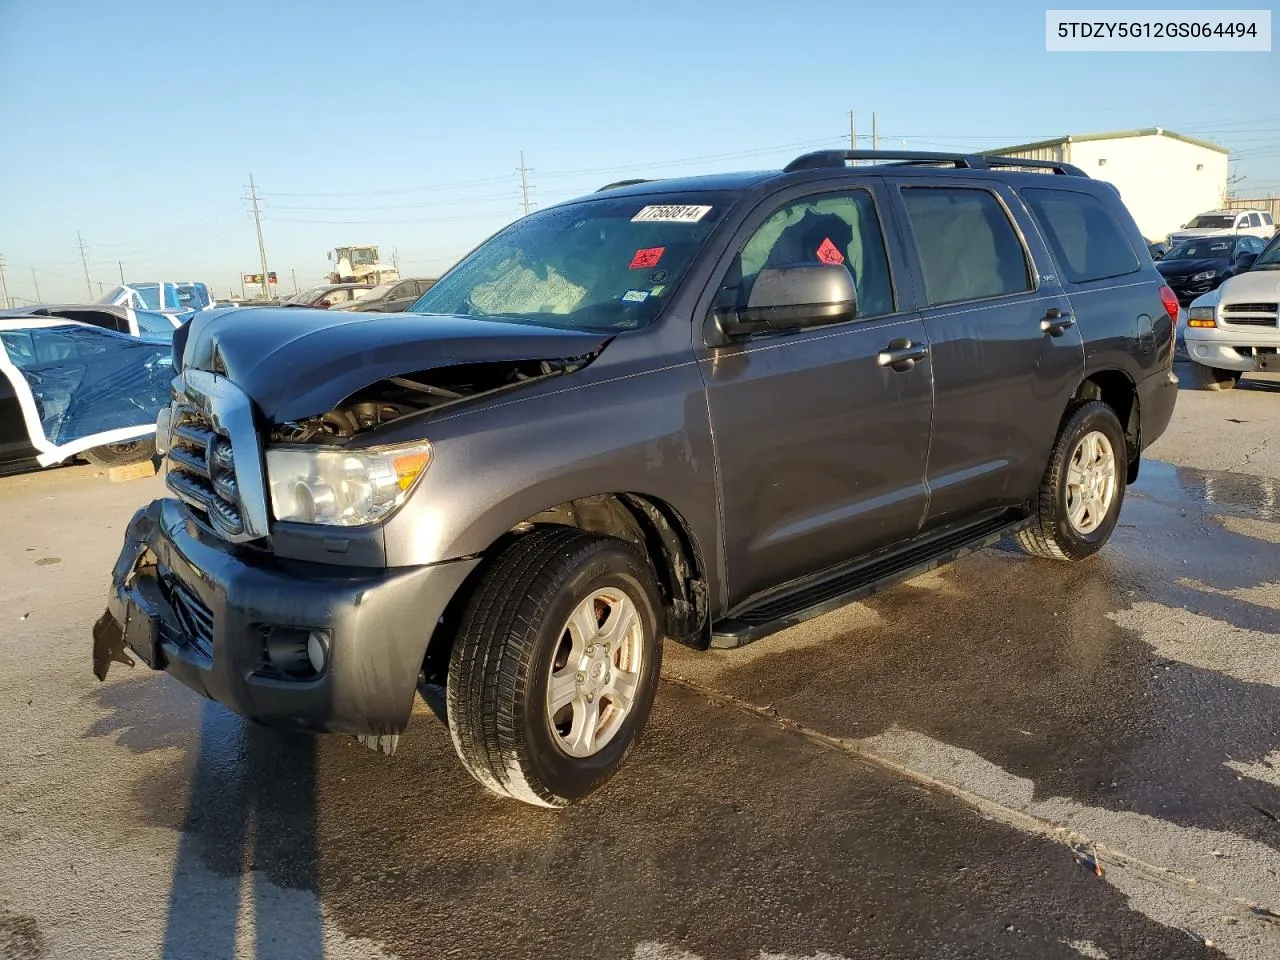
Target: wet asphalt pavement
[1004, 758]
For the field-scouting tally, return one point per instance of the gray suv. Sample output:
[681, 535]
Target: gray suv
[696, 410]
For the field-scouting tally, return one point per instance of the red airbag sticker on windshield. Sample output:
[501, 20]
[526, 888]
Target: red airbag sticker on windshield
[828, 252]
[647, 258]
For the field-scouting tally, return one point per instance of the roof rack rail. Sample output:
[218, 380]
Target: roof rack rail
[1062, 169]
[621, 183]
[967, 161]
[837, 158]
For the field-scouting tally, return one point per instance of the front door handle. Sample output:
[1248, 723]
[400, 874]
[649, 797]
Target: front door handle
[1055, 322]
[901, 354]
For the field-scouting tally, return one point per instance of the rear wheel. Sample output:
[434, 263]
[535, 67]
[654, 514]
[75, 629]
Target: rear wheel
[120, 454]
[555, 666]
[1083, 488]
[1211, 378]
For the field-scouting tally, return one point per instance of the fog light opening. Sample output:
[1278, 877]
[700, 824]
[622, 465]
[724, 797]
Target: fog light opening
[294, 653]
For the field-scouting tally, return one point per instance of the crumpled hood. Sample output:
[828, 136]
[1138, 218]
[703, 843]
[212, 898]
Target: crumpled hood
[298, 362]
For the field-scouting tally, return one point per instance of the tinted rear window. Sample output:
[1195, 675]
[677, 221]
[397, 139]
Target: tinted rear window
[1085, 238]
[968, 248]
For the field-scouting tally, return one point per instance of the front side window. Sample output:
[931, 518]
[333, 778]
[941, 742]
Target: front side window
[1085, 238]
[602, 264]
[1255, 220]
[967, 246]
[839, 228]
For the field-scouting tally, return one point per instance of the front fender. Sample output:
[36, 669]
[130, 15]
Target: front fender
[495, 466]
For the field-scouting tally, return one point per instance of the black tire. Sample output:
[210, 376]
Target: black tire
[122, 454]
[1211, 378]
[1051, 534]
[502, 658]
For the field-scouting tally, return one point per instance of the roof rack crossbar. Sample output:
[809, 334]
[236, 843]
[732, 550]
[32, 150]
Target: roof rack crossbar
[821, 159]
[620, 183]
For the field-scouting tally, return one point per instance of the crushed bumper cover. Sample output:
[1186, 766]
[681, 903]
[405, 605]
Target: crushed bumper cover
[201, 609]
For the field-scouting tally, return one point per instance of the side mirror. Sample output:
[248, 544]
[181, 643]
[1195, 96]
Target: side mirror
[1245, 261]
[792, 298]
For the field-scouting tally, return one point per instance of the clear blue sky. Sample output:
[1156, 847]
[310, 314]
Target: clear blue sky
[137, 123]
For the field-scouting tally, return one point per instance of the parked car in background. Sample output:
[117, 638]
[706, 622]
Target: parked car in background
[389, 297]
[122, 319]
[1218, 223]
[1197, 266]
[329, 295]
[1235, 329]
[69, 388]
[697, 411]
[165, 296]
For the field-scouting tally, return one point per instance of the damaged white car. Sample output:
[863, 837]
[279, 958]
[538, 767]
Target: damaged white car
[69, 388]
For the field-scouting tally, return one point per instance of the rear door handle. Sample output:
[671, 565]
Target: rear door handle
[901, 354]
[1055, 322]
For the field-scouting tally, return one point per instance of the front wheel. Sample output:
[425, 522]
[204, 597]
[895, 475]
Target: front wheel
[555, 666]
[1211, 378]
[1080, 496]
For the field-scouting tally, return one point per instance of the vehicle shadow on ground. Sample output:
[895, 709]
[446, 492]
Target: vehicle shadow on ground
[244, 804]
[1100, 681]
[725, 836]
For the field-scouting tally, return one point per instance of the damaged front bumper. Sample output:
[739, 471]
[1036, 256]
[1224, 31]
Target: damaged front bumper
[233, 623]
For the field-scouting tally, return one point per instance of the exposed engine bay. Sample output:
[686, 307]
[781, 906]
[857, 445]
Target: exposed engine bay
[394, 398]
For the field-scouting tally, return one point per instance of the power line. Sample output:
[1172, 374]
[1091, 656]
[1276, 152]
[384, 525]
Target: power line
[85, 263]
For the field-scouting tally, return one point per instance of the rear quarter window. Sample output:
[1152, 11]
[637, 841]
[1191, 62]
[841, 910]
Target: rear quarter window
[967, 247]
[1087, 242]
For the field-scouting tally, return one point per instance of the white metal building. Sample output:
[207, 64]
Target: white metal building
[1164, 178]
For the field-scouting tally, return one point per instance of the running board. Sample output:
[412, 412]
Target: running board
[844, 585]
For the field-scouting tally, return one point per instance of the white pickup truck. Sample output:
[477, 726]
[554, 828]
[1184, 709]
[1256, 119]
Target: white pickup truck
[1235, 329]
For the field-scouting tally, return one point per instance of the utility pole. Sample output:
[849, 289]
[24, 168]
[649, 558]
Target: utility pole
[34, 281]
[84, 261]
[524, 183]
[875, 139]
[294, 274]
[121, 266]
[853, 130]
[395, 258]
[99, 288]
[4, 287]
[262, 250]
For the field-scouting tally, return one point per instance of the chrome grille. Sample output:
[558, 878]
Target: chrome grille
[1250, 314]
[213, 457]
[195, 619]
[202, 470]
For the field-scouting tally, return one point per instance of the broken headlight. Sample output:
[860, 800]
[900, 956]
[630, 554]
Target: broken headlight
[343, 488]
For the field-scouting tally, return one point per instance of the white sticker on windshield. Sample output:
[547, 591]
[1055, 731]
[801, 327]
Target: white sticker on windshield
[671, 213]
[635, 296]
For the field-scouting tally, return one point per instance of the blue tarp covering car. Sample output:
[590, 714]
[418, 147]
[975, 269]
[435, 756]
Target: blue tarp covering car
[70, 388]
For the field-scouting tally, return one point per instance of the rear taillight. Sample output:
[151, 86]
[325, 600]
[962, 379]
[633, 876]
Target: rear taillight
[1170, 301]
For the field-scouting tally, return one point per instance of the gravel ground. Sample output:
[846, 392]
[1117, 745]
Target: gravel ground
[1003, 758]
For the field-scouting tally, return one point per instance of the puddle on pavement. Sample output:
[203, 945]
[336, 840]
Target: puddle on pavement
[1023, 662]
[1235, 494]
